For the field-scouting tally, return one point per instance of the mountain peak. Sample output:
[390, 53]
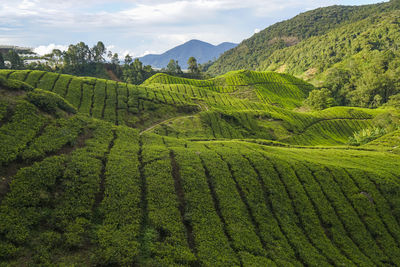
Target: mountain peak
[201, 50]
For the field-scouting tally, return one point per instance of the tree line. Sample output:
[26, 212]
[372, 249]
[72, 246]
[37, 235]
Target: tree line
[82, 60]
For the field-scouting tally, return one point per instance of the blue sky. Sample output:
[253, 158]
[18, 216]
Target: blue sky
[140, 27]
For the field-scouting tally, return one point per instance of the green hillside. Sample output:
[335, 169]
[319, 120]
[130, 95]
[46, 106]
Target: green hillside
[180, 172]
[252, 52]
[356, 62]
[267, 87]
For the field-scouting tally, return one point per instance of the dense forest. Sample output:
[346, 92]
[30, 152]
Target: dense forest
[252, 52]
[359, 62]
[351, 50]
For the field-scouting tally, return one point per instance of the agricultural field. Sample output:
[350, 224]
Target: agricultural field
[181, 172]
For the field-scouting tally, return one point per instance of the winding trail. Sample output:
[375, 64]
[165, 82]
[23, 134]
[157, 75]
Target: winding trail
[203, 107]
[163, 122]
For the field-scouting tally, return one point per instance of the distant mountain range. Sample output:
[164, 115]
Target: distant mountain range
[202, 51]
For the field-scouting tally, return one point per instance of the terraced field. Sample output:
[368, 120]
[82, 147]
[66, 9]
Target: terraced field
[186, 173]
[267, 87]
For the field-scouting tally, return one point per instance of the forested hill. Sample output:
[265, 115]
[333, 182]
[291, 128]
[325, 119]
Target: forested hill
[255, 50]
[182, 172]
[358, 62]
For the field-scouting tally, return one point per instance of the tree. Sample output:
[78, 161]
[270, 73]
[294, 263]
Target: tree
[319, 99]
[173, 67]
[395, 3]
[55, 57]
[2, 65]
[377, 101]
[135, 72]
[15, 60]
[115, 59]
[148, 69]
[370, 84]
[394, 101]
[128, 59]
[205, 66]
[137, 65]
[98, 52]
[338, 81]
[193, 67]
[77, 54]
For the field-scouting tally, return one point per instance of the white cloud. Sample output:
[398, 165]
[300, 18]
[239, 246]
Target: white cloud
[47, 49]
[27, 4]
[125, 52]
[138, 27]
[147, 52]
[256, 30]
[110, 47]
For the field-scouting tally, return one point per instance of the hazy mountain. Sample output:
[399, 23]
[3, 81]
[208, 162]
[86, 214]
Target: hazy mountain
[202, 51]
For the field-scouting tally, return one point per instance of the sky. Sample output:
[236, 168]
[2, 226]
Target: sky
[140, 27]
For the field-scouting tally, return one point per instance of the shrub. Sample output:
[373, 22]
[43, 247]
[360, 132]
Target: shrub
[394, 101]
[49, 101]
[74, 235]
[189, 108]
[15, 84]
[24, 125]
[319, 99]
[366, 135]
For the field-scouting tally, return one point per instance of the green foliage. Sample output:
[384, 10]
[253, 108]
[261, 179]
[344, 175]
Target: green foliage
[15, 60]
[49, 101]
[118, 234]
[253, 52]
[169, 245]
[134, 72]
[14, 84]
[207, 227]
[319, 99]
[394, 101]
[74, 233]
[173, 67]
[366, 135]
[390, 121]
[268, 87]
[61, 133]
[2, 66]
[186, 172]
[357, 62]
[25, 123]
[348, 49]
[193, 67]
[33, 77]
[388, 142]
[48, 81]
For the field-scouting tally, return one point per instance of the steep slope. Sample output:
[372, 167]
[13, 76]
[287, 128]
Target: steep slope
[268, 87]
[356, 61]
[216, 108]
[83, 185]
[252, 52]
[390, 142]
[202, 51]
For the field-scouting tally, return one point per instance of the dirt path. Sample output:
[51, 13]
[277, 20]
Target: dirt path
[162, 122]
[203, 107]
[112, 75]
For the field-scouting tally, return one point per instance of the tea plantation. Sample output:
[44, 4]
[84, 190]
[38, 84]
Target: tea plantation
[181, 172]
